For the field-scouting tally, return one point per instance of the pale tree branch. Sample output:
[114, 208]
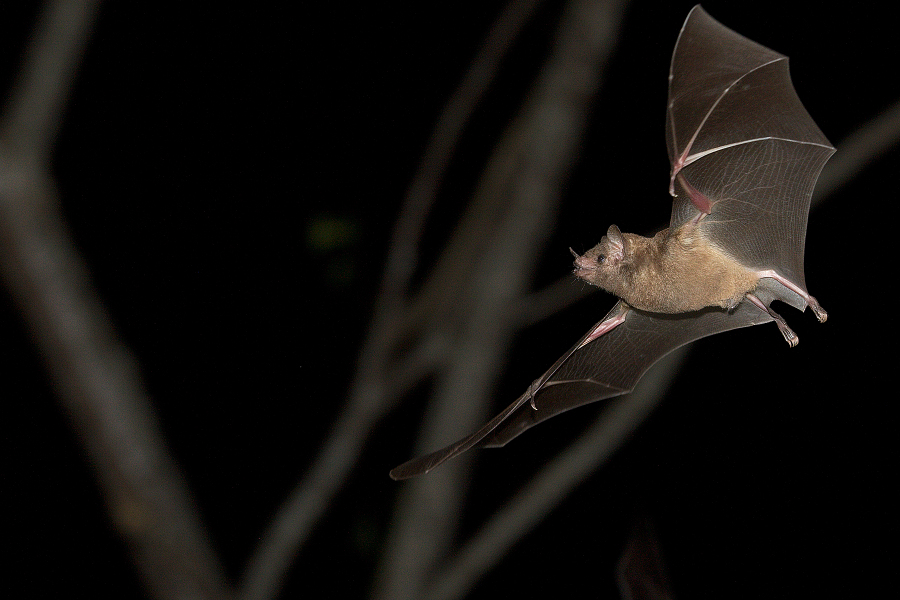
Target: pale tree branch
[554, 482]
[859, 150]
[378, 383]
[33, 113]
[561, 294]
[442, 144]
[91, 369]
[501, 236]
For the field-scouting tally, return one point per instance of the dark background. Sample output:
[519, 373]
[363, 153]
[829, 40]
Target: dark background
[231, 175]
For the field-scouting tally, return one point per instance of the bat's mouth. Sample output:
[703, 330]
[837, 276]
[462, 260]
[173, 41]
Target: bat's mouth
[583, 265]
[583, 271]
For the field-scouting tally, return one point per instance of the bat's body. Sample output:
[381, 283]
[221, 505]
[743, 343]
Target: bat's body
[672, 272]
[679, 271]
[745, 156]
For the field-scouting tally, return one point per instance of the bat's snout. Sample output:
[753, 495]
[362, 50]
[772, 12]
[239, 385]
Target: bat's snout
[585, 265]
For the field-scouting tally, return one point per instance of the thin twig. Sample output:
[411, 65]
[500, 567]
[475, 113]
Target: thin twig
[537, 306]
[527, 170]
[300, 511]
[442, 144]
[554, 482]
[373, 392]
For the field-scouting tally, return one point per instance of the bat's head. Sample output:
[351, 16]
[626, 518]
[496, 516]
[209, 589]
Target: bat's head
[601, 264]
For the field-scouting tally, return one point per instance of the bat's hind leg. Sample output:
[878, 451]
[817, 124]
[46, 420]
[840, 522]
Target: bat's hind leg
[789, 336]
[813, 304]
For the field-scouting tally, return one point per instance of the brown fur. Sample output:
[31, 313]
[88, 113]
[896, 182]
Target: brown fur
[668, 273]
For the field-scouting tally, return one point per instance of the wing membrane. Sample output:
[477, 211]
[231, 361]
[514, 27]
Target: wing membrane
[609, 366]
[742, 148]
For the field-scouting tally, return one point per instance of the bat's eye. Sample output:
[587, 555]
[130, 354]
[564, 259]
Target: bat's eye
[601, 258]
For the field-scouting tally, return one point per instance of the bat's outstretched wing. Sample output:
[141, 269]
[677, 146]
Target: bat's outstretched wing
[608, 366]
[743, 149]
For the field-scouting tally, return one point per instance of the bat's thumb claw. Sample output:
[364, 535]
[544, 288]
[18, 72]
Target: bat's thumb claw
[531, 392]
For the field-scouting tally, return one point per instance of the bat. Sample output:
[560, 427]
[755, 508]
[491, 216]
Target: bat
[745, 156]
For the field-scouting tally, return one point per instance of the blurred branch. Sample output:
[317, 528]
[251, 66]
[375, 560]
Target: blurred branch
[859, 150]
[501, 235]
[442, 144]
[554, 482]
[92, 371]
[304, 507]
[34, 111]
[377, 384]
[561, 294]
[640, 571]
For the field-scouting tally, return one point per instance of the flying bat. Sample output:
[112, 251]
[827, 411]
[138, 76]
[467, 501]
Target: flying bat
[745, 156]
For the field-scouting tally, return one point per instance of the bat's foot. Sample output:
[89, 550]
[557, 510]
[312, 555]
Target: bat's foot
[817, 309]
[789, 336]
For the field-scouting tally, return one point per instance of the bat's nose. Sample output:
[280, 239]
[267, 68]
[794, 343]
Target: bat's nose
[585, 266]
[582, 262]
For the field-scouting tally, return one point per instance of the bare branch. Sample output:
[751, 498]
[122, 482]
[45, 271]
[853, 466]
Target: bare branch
[514, 202]
[859, 150]
[34, 111]
[544, 303]
[446, 134]
[91, 369]
[97, 381]
[377, 383]
[299, 513]
[555, 482]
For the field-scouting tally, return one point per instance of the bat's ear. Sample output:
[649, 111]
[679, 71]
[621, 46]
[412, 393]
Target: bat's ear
[616, 241]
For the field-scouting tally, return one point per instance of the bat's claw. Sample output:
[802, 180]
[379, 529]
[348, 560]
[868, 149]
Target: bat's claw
[531, 392]
[789, 336]
[817, 309]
